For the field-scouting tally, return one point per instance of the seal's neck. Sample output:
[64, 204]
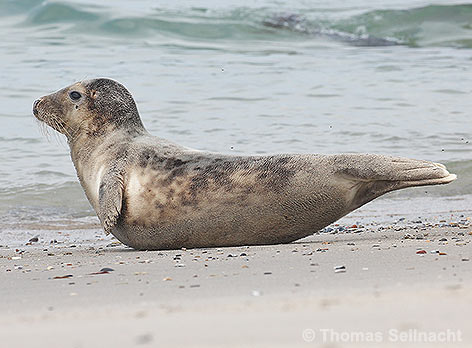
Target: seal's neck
[85, 148]
[93, 155]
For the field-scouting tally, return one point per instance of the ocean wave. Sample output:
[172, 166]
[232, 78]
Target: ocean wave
[14, 7]
[47, 13]
[67, 196]
[433, 25]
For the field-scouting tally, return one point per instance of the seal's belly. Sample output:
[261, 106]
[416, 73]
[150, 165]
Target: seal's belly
[173, 214]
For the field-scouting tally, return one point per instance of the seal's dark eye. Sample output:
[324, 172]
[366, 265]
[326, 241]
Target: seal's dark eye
[75, 95]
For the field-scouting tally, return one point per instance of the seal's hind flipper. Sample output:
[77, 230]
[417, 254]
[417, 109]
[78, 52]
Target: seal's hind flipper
[370, 176]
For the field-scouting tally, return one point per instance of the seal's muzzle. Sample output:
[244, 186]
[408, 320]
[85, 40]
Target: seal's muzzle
[35, 104]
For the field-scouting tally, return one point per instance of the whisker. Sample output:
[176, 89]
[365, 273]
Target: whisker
[43, 129]
[60, 128]
[58, 125]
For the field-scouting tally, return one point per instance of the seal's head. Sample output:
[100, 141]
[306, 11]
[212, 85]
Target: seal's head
[92, 108]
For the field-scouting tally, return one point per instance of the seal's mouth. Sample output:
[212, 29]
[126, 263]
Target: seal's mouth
[47, 117]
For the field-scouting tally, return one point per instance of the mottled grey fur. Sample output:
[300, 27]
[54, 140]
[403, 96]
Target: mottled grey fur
[153, 194]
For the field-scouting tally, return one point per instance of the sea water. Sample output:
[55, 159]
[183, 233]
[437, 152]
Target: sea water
[239, 77]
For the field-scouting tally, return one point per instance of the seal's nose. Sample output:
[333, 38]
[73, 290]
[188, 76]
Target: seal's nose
[35, 104]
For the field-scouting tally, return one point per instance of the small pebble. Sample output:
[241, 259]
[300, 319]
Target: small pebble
[107, 269]
[63, 277]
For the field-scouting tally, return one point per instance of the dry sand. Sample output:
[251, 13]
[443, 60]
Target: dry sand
[53, 295]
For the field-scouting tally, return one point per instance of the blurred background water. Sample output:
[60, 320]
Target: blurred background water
[245, 77]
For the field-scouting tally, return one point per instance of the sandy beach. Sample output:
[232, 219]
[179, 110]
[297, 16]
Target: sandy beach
[398, 283]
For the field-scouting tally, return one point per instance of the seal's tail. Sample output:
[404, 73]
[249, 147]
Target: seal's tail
[374, 175]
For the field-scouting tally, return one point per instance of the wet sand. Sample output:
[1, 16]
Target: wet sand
[392, 284]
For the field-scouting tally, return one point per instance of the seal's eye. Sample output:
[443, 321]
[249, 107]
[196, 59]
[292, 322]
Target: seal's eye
[74, 95]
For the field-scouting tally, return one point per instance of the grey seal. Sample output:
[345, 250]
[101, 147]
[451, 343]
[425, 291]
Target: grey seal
[153, 194]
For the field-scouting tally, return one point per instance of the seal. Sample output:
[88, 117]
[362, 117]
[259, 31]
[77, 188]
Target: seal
[151, 193]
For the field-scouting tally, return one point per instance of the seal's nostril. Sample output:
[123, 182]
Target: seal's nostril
[35, 104]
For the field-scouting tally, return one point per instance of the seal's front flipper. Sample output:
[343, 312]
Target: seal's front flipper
[110, 198]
